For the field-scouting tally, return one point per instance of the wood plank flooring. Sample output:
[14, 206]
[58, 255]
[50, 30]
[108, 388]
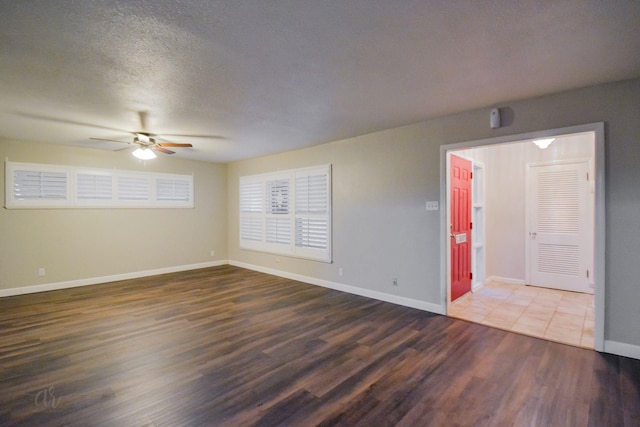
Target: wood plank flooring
[226, 346]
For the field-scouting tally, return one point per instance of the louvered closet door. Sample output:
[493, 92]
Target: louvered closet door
[561, 232]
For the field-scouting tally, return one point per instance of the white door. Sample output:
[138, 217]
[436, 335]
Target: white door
[561, 226]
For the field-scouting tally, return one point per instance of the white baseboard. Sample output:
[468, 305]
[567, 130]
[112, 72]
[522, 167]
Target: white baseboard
[105, 279]
[507, 280]
[476, 286]
[622, 349]
[381, 296]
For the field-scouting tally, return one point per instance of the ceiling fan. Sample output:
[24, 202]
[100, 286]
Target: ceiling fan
[148, 142]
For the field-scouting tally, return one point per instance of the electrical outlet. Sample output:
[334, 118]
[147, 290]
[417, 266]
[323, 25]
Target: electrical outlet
[395, 281]
[213, 253]
[340, 271]
[42, 271]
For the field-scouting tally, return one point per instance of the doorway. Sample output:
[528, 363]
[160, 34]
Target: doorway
[503, 283]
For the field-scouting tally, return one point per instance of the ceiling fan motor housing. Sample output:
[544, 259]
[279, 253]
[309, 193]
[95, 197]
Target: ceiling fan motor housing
[143, 139]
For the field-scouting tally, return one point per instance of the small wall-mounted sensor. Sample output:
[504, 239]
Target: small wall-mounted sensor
[494, 118]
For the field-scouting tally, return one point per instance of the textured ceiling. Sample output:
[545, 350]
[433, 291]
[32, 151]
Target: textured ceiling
[269, 76]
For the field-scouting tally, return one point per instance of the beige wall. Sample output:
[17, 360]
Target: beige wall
[381, 182]
[76, 244]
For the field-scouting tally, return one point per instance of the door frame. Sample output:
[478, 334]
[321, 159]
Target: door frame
[599, 213]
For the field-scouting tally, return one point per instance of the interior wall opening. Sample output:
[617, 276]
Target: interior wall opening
[532, 246]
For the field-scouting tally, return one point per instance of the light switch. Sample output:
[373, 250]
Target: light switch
[431, 206]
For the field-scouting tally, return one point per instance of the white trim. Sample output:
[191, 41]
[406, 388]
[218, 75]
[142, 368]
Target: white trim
[599, 246]
[381, 296]
[507, 280]
[445, 250]
[105, 279]
[476, 286]
[478, 218]
[622, 349]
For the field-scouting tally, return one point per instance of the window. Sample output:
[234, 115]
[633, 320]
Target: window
[287, 213]
[48, 186]
[34, 187]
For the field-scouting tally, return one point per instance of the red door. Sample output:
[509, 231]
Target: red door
[460, 228]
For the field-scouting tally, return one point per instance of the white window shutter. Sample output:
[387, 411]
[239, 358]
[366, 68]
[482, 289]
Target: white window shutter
[311, 194]
[94, 186]
[278, 196]
[251, 229]
[312, 233]
[279, 231]
[133, 188]
[278, 220]
[251, 197]
[251, 214]
[287, 212]
[174, 190]
[39, 185]
[313, 213]
[43, 186]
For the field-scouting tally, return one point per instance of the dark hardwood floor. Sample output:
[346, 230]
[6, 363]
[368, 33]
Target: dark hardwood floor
[232, 347]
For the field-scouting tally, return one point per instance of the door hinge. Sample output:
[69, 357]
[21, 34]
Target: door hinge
[587, 274]
[470, 175]
[471, 276]
[587, 176]
[470, 226]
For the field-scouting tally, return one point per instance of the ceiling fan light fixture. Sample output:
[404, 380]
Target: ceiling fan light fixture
[543, 143]
[144, 153]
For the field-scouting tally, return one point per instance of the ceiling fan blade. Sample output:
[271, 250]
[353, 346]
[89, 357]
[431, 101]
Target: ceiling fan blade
[69, 122]
[173, 144]
[162, 150]
[192, 136]
[110, 140]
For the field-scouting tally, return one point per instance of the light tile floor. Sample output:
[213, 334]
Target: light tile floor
[560, 316]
